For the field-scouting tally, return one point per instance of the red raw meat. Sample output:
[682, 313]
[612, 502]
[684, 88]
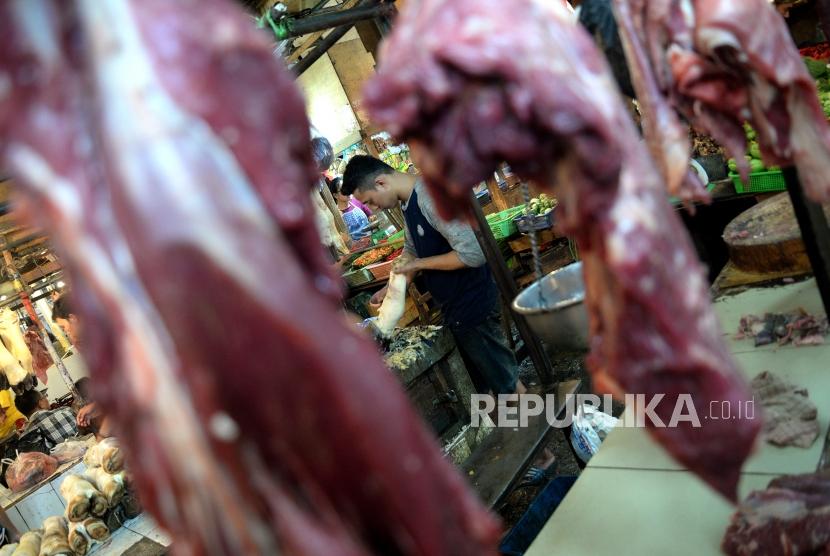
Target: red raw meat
[472, 83]
[41, 361]
[167, 154]
[30, 469]
[721, 63]
[666, 136]
[790, 518]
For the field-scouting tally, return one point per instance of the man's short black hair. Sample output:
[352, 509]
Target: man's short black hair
[361, 173]
[62, 309]
[27, 402]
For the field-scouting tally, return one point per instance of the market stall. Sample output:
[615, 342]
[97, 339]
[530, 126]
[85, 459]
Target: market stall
[561, 237]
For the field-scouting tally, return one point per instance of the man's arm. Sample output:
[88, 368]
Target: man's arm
[466, 252]
[446, 262]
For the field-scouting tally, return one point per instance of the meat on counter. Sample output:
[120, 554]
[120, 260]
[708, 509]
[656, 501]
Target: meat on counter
[798, 327]
[790, 417]
[790, 518]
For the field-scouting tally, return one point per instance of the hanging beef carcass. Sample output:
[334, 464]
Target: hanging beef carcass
[167, 154]
[721, 63]
[14, 340]
[666, 136]
[41, 361]
[472, 83]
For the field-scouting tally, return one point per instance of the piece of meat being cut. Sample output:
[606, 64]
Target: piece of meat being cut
[790, 518]
[722, 63]
[473, 83]
[168, 158]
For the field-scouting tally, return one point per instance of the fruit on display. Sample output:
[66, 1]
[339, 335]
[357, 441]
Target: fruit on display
[542, 204]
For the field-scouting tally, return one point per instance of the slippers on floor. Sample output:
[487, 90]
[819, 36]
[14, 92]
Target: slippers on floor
[536, 476]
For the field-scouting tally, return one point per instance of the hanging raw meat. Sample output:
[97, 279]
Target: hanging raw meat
[472, 83]
[11, 367]
[666, 136]
[167, 153]
[41, 361]
[721, 63]
[13, 339]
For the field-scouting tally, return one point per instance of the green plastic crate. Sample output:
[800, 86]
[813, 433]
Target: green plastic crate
[501, 223]
[760, 182]
[396, 236]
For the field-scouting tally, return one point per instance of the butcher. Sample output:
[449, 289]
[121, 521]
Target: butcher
[450, 262]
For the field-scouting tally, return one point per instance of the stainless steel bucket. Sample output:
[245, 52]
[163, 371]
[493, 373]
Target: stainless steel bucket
[561, 321]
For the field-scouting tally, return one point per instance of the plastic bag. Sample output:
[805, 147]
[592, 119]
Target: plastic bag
[590, 427]
[69, 450]
[29, 469]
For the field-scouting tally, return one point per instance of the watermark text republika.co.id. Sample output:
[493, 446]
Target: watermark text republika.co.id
[658, 410]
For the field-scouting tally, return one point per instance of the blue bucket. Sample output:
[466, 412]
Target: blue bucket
[519, 539]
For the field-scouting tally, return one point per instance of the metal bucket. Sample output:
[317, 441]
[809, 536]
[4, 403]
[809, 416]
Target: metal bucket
[562, 321]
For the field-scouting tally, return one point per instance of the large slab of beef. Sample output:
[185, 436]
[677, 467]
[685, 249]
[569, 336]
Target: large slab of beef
[790, 518]
[167, 153]
[472, 83]
[722, 63]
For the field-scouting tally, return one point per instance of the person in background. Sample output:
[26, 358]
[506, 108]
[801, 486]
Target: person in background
[90, 418]
[56, 424]
[333, 231]
[357, 216]
[11, 420]
[64, 317]
[452, 265]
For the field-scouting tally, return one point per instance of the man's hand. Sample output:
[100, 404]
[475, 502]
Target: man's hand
[377, 299]
[87, 414]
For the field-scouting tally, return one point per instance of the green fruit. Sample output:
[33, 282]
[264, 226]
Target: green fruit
[733, 165]
[755, 151]
[756, 166]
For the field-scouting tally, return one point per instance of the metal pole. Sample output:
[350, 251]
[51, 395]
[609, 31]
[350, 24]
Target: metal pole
[310, 24]
[508, 290]
[814, 232]
[322, 47]
[823, 9]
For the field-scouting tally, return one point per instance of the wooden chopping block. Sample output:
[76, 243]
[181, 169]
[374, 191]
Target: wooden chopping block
[766, 239]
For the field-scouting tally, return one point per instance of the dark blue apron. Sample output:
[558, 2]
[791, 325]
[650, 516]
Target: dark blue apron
[466, 296]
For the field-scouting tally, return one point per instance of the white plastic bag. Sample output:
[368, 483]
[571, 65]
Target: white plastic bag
[590, 427]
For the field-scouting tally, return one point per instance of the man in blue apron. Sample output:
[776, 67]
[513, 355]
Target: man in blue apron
[451, 265]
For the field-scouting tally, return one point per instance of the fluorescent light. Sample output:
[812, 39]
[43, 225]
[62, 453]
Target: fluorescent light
[60, 284]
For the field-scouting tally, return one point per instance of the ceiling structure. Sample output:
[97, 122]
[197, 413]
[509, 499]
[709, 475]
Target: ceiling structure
[30, 250]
